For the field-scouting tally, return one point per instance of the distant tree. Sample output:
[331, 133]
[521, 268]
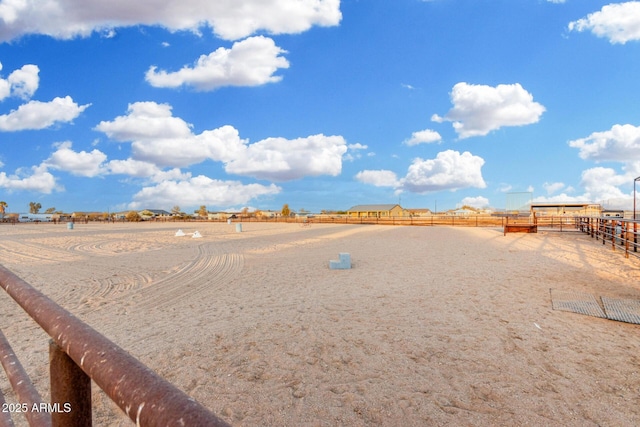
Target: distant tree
[175, 210]
[245, 211]
[50, 210]
[202, 212]
[285, 210]
[132, 216]
[3, 208]
[34, 207]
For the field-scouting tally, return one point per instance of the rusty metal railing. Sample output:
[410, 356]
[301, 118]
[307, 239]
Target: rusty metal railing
[78, 354]
[619, 233]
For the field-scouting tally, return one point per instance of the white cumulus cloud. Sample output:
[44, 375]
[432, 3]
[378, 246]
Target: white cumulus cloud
[229, 19]
[21, 83]
[478, 202]
[354, 152]
[145, 121]
[83, 163]
[602, 182]
[158, 137]
[200, 190]
[135, 168]
[38, 180]
[618, 22]
[41, 115]
[426, 136]
[480, 109]
[553, 187]
[450, 170]
[281, 159]
[250, 62]
[379, 178]
[620, 144]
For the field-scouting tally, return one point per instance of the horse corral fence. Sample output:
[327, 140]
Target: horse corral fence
[78, 354]
[559, 222]
[564, 223]
[618, 233]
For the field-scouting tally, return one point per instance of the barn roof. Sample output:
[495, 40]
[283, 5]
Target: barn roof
[372, 208]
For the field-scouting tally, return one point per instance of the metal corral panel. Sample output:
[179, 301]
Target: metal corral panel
[576, 302]
[623, 310]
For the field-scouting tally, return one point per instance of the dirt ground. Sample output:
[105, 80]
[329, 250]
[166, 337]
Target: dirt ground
[431, 326]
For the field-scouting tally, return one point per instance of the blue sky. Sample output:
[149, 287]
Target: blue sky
[320, 104]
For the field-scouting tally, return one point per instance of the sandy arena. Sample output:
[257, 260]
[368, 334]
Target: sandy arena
[433, 326]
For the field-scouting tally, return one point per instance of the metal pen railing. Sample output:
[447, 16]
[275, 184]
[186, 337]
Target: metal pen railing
[78, 354]
[619, 233]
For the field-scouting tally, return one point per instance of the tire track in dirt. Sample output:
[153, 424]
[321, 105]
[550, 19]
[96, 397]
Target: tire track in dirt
[208, 272]
[92, 292]
[20, 252]
[102, 291]
[113, 247]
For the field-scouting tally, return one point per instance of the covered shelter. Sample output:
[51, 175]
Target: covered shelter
[566, 208]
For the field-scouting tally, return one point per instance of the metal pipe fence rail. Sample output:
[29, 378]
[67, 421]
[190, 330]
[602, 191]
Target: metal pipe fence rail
[551, 222]
[78, 354]
[561, 223]
[618, 233]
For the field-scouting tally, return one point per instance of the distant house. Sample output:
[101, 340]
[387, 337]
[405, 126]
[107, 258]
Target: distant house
[217, 216]
[268, 214]
[420, 212]
[75, 216]
[155, 214]
[376, 211]
[462, 212]
[159, 212]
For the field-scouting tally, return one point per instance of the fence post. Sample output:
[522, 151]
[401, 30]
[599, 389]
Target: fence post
[70, 390]
[26, 393]
[145, 397]
[5, 416]
[624, 229]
